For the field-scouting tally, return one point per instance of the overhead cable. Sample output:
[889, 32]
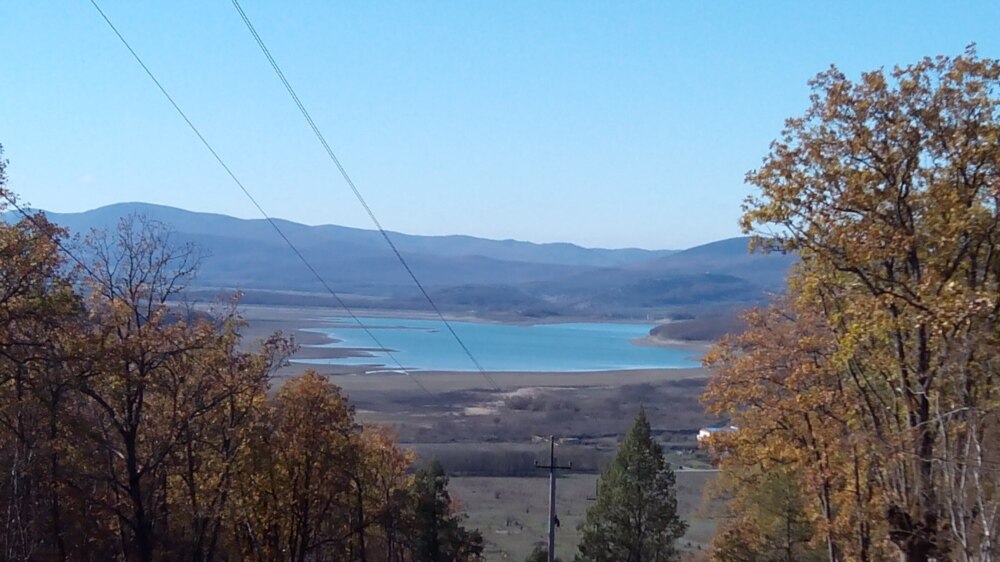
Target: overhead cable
[358, 195]
[253, 200]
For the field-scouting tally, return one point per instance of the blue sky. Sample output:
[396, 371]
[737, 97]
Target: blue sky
[601, 123]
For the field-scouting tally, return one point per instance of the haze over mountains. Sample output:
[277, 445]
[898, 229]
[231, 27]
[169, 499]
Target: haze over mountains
[461, 272]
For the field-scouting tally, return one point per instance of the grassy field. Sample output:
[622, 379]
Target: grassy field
[512, 512]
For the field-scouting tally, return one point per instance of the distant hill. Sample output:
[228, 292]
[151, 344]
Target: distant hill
[488, 298]
[725, 257]
[660, 292]
[718, 272]
[462, 272]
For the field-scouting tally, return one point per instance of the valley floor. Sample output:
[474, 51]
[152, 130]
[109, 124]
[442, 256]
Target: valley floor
[488, 438]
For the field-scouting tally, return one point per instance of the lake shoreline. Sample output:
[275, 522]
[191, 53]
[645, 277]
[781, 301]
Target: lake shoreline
[318, 347]
[308, 329]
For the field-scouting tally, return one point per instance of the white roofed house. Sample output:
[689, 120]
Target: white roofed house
[706, 432]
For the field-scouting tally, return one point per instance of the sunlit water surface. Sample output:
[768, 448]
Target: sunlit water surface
[427, 345]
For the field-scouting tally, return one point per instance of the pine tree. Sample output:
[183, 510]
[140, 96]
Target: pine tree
[635, 516]
[438, 535]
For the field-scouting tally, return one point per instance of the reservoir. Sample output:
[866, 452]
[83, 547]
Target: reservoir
[423, 344]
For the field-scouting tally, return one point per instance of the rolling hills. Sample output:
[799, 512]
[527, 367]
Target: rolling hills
[462, 272]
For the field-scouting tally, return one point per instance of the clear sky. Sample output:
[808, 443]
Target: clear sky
[602, 123]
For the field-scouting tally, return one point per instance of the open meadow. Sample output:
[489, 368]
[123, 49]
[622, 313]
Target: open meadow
[512, 512]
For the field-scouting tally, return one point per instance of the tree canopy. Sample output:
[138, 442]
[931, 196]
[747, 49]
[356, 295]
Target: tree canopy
[875, 379]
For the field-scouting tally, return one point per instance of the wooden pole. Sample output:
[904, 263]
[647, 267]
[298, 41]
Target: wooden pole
[552, 468]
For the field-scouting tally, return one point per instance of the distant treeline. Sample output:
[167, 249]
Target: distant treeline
[495, 461]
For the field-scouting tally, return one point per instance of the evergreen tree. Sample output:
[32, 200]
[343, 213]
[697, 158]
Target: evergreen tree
[635, 516]
[438, 535]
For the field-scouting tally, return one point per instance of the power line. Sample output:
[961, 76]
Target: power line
[249, 196]
[357, 192]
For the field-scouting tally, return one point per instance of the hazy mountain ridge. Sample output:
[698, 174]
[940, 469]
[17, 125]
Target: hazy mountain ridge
[462, 272]
[455, 245]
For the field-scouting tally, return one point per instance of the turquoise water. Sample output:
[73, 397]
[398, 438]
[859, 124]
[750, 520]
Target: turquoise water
[427, 345]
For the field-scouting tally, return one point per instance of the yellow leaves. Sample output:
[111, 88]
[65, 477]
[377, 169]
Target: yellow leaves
[783, 382]
[887, 187]
[313, 478]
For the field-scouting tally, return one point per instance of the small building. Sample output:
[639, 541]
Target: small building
[706, 432]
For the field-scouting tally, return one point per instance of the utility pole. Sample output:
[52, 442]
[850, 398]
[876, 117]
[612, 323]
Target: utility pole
[552, 467]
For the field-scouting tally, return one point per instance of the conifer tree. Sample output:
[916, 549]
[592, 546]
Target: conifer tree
[635, 516]
[438, 535]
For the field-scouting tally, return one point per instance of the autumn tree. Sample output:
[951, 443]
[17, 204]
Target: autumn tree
[295, 502]
[776, 383]
[135, 399]
[888, 189]
[635, 516]
[140, 378]
[135, 427]
[383, 490]
[206, 468]
[318, 486]
[38, 308]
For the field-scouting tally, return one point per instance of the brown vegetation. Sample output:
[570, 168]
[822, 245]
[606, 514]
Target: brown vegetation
[134, 431]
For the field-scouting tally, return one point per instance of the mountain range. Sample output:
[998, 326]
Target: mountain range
[462, 273]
